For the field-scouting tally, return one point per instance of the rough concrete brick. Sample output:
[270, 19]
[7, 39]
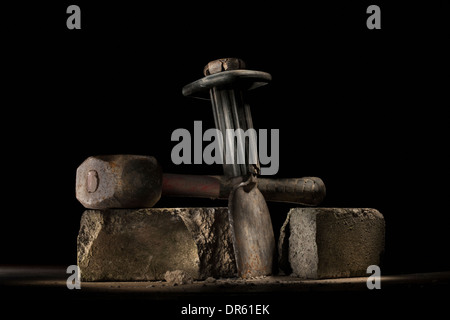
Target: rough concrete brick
[317, 243]
[143, 244]
[177, 277]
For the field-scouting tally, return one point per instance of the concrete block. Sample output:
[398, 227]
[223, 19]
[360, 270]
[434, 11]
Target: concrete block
[143, 244]
[317, 243]
[177, 277]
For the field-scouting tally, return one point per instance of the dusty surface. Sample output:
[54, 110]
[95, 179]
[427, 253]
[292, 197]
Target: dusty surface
[50, 283]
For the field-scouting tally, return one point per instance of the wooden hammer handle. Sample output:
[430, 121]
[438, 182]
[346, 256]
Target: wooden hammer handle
[307, 191]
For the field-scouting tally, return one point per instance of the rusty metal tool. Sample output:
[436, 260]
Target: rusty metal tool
[250, 221]
[137, 181]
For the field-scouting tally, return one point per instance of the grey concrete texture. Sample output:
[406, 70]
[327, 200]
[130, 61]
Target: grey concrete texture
[320, 243]
[143, 244]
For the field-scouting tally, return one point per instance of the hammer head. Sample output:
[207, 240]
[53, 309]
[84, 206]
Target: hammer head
[119, 181]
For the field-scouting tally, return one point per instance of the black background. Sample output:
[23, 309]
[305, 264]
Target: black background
[365, 110]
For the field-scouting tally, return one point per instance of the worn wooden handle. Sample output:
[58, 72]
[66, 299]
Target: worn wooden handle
[307, 191]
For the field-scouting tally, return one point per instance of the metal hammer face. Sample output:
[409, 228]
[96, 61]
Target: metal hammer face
[118, 181]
